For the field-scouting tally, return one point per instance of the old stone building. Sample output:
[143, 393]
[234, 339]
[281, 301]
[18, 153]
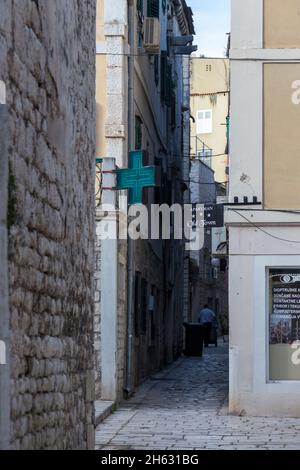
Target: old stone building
[143, 106]
[47, 115]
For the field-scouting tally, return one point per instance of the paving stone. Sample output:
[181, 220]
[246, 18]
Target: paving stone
[187, 411]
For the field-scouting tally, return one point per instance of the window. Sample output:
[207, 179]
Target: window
[166, 80]
[144, 307]
[156, 70]
[152, 312]
[137, 303]
[140, 7]
[208, 68]
[204, 122]
[206, 156]
[153, 8]
[138, 133]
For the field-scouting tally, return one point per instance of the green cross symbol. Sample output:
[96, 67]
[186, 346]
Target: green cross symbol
[136, 177]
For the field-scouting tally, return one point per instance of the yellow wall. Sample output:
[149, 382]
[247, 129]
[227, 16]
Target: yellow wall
[100, 105]
[281, 136]
[100, 85]
[282, 23]
[209, 90]
[100, 21]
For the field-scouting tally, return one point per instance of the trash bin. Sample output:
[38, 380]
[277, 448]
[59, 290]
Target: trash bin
[194, 336]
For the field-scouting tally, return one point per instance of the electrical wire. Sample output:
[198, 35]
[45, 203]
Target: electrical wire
[262, 230]
[139, 54]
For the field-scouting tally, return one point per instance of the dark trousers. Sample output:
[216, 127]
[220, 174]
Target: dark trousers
[207, 331]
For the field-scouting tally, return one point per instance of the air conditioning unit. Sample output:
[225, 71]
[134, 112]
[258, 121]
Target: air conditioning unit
[152, 35]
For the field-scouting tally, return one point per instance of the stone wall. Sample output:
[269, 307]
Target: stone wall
[4, 311]
[47, 61]
[97, 318]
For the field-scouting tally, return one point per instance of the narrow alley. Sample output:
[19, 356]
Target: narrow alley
[184, 407]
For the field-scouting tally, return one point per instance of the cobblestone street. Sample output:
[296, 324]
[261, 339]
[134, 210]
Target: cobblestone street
[185, 407]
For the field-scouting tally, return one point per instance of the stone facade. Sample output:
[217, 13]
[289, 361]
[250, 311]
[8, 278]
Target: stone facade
[47, 61]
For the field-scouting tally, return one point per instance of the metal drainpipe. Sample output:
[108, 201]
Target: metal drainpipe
[130, 319]
[4, 304]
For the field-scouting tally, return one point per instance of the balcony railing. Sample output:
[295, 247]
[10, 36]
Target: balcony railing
[201, 151]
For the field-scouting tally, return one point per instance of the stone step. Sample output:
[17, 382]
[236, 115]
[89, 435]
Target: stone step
[103, 409]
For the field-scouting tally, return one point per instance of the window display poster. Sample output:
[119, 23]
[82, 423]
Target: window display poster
[284, 324]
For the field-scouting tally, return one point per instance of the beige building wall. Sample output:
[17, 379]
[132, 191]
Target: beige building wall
[100, 37]
[264, 158]
[210, 91]
[281, 136]
[100, 105]
[101, 88]
[281, 24]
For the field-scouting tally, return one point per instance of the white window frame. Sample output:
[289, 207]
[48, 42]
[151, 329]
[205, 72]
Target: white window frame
[205, 156]
[204, 124]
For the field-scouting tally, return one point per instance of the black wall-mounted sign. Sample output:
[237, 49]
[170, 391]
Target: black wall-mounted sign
[214, 215]
[211, 217]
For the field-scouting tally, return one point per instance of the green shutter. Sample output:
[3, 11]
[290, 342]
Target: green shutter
[166, 80]
[163, 75]
[153, 8]
[169, 86]
[140, 6]
[144, 307]
[156, 70]
[138, 133]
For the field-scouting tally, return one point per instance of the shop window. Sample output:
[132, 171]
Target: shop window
[284, 324]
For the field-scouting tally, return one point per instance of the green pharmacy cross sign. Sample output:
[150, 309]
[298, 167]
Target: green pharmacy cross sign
[136, 177]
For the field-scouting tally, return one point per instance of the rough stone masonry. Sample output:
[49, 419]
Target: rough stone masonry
[47, 63]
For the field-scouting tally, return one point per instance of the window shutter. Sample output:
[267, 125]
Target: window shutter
[153, 8]
[156, 70]
[140, 7]
[169, 86]
[163, 75]
[144, 306]
[137, 304]
[138, 133]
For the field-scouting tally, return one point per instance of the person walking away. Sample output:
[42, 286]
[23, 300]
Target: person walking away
[206, 318]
